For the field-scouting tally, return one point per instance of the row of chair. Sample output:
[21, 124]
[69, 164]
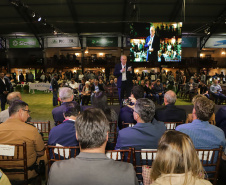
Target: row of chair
[210, 158]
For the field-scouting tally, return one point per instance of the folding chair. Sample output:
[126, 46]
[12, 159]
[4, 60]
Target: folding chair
[210, 159]
[44, 128]
[59, 153]
[13, 160]
[119, 155]
[172, 125]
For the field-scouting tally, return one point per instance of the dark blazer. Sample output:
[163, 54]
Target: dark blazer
[92, 168]
[101, 88]
[126, 115]
[155, 46]
[221, 119]
[57, 112]
[118, 74]
[170, 113]
[141, 136]
[54, 84]
[4, 86]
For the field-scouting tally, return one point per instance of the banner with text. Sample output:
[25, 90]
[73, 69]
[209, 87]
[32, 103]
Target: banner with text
[102, 41]
[23, 43]
[216, 43]
[63, 42]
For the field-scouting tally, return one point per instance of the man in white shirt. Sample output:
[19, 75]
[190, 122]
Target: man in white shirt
[124, 73]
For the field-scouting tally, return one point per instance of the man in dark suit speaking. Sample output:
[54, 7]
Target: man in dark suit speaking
[153, 45]
[124, 73]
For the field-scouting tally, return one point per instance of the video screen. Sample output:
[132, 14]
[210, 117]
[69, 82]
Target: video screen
[155, 42]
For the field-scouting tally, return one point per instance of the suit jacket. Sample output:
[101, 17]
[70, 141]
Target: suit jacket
[54, 84]
[92, 168]
[141, 136]
[170, 113]
[126, 115]
[155, 46]
[57, 112]
[101, 88]
[118, 74]
[4, 86]
[221, 119]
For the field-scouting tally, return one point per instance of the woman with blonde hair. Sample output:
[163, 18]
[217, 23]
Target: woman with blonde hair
[177, 162]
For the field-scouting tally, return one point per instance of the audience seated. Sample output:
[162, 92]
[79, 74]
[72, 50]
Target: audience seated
[203, 134]
[190, 116]
[96, 87]
[159, 92]
[92, 166]
[66, 95]
[100, 101]
[221, 119]
[170, 112]
[64, 134]
[73, 85]
[190, 86]
[216, 90]
[149, 91]
[203, 89]
[176, 162]
[126, 113]
[86, 92]
[13, 96]
[146, 133]
[15, 131]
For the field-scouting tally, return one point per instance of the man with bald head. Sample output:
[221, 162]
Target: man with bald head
[170, 113]
[124, 73]
[4, 115]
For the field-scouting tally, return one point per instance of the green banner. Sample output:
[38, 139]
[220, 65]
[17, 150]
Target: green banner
[23, 43]
[102, 41]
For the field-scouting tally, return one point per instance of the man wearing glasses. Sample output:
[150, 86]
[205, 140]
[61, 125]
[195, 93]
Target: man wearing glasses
[15, 131]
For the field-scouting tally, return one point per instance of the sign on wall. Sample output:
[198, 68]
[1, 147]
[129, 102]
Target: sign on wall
[216, 43]
[23, 43]
[63, 42]
[102, 41]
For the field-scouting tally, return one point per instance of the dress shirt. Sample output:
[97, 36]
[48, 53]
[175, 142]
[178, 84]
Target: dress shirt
[151, 39]
[3, 80]
[203, 134]
[124, 73]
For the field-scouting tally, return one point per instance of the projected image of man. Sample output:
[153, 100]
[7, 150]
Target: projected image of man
[153, 45]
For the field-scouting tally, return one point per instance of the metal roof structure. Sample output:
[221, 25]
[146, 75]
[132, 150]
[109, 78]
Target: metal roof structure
[108, 16]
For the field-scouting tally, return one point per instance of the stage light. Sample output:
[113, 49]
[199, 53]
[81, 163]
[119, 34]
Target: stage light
[39, 19]
[101, 54]
[223, 53]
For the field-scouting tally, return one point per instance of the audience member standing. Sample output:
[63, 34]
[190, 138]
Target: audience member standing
[55, 88]
[4, 90]
[170, 112]
[92, 166]
[124, 74]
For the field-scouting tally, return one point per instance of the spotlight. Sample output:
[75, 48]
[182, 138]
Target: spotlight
[39, 19]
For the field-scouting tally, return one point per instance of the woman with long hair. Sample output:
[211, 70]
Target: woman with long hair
[177, 162]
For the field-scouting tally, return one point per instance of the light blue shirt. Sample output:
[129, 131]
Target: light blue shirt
[203, 134]
[215, 88]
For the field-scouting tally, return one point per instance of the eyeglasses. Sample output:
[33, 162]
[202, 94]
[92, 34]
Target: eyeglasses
[28, 111]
